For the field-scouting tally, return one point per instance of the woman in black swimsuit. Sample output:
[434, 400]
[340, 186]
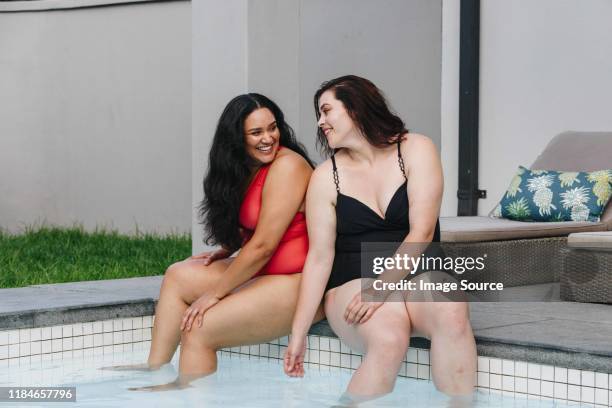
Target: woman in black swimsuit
[382, 184]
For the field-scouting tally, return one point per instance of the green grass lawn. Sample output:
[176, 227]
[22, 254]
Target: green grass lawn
[55, 255]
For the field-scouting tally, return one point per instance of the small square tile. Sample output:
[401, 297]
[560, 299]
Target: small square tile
[412, 370]
[147, 321]
[423, 356]
[126, 324]
[495, 366]
[45, 346]
[587, 394]
[4, 352]
[67, 344]
[98, 327]
[520, 369]
[601, 380]
[313, 342]
[533, 371]
[601, 396]
[561, 374]
[137, 322]
[508, 368]
[98, 340]
[547, 373]
[560, 390]
[520, 385]
[588, 379]
[24, 335]
[324, 343]
[274, 350]
[402, 370]
[334, 358]
[56, 345]
[573, 376]
[508, 383]
[67, 330]
[107, 339]
[324, 357]
[4, 338]
[56, 332]
[13, 337]
[482, 379]
[483, 364]
[495, 381]
[117, 348]
[422, 372]
[45, 333]
[243, 349]
[107, 326]
[107, 350]
[355, 361]
[334, 345]
[24, 349]
[344, 348]
[147, 334]
[533, 386]
[547, 388]
[118, 325]
[87, 328]
[345, 360]
[254, 350]
[77, 342]
[35, 334]
[88, 341]
[77, 329]
[411, 356]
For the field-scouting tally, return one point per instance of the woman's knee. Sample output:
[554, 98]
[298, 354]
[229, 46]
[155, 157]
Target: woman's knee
[392, 343]
[452, 318]
[198, 338]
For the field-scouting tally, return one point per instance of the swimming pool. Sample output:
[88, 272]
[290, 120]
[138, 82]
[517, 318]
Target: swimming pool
[241, 381]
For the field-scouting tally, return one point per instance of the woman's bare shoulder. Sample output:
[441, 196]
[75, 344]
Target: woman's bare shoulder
[287, 160]
[416, 144]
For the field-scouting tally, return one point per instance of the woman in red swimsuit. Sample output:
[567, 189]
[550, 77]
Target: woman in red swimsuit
[254, 201]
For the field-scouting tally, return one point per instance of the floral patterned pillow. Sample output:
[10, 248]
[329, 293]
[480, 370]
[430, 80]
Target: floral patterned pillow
[548, 195]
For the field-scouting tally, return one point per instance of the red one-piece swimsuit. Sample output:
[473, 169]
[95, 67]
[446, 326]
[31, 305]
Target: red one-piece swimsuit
[290, 255]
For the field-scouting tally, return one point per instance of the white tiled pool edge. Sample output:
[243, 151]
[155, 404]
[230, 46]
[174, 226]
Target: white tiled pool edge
[511, 378]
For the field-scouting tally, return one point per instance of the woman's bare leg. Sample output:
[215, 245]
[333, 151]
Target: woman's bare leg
[183, 283]
[258, 312]
[384, 339]
[453, 349]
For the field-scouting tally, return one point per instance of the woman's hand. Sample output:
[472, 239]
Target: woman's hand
[294, 356]
[359, 311]
[195, 312]
[211, 256]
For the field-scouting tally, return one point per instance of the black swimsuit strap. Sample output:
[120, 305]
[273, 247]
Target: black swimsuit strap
[336, 181]
[400, 159]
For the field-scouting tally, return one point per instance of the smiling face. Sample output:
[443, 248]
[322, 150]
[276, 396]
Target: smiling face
[261, 135]
[334, 121]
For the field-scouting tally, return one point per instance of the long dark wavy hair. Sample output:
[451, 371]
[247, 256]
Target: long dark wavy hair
[367, 107]
[230, 167]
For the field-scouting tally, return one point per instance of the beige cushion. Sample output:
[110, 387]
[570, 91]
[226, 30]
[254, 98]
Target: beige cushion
[473, 229]
[595, 240]
[579, 151]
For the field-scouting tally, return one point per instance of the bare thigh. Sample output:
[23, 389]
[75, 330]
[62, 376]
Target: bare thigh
[392, 314]
[259, 311]
[191, 277]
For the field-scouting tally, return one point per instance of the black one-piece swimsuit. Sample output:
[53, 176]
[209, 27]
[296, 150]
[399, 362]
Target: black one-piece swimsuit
[357, 223]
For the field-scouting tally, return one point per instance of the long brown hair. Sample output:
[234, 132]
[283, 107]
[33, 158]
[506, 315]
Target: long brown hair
[367, 107]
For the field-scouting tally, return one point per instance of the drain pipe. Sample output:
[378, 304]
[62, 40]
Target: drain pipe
[469, 74]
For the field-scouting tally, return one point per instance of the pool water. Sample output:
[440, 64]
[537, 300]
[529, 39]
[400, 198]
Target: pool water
[239, 382]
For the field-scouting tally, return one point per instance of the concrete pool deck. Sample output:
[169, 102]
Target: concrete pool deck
[573, 335]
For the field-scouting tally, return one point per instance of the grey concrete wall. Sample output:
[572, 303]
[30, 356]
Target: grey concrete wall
[545, 68]
[291, 46]
[219, 74]
[95, 117]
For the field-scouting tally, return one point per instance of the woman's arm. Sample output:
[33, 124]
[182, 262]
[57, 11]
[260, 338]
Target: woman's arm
[321, 221]
[282, 196]
[425, 186]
